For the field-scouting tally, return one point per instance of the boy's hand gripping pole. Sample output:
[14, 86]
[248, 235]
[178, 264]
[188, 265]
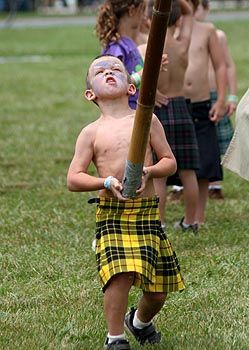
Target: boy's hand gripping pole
[146, 99]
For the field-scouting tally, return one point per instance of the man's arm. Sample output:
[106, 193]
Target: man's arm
[187, 23]
[231, 74]
[218, 61]
[160, 99]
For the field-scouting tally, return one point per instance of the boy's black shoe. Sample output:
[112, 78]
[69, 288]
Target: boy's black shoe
[191, 227]
[147, 334]
[120, 344]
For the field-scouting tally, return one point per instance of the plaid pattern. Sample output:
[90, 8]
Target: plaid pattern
[224, 128]
[180, 132]
[129, 238]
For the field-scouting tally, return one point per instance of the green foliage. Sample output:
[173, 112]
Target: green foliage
[50, 295]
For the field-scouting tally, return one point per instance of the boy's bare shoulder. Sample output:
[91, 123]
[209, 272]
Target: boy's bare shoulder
[205, 26]
[89, 130]
[221, 35]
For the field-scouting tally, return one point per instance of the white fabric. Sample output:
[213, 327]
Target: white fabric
[236, 157]
[139, 324]
[113, 338]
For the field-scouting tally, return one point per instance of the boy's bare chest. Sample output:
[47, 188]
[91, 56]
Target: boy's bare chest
[199, 43]
[113, 139]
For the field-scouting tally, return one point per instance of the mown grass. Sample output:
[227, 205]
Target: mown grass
[50, 294]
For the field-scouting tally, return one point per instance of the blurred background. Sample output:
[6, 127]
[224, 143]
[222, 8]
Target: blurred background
[79, 6]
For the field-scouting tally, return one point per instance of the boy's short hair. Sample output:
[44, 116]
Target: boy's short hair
[88, 84]
[175, 13]
[195, 4]
[205, 4]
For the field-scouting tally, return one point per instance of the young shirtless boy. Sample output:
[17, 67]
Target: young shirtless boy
[205, 45]
[131, 248]
[143, 34]
[174, 116]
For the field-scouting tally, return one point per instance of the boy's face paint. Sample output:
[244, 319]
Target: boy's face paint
[106, 73]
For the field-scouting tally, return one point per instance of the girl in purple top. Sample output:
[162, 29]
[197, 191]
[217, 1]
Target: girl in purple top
[117, 27]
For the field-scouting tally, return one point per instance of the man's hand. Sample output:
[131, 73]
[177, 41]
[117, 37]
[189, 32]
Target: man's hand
[231, 108]
[145, 177]
[164, 62]
[217, 111]
[161, 99]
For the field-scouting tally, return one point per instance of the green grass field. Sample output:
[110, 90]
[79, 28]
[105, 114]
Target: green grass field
[49, 289]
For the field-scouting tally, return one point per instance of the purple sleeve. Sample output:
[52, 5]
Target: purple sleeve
[114, 50]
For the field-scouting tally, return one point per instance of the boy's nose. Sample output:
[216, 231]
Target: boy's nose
[108, 72]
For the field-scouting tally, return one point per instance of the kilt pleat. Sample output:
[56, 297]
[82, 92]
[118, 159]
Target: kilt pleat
[180, 132]
[224, 128]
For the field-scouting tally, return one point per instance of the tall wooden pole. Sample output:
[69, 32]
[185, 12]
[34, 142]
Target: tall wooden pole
[146, 99]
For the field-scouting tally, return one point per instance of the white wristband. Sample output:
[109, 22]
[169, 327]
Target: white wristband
[107, 182]
[232, 98]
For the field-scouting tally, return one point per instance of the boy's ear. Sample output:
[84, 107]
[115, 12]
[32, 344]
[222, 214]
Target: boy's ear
[131, 90]
[89, 95]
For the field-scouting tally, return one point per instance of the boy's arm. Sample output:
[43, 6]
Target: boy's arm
[187, 23]
[142, 50]
[166, 164]
[77, 178]
[160, 99]
[218, 61]
[231, 74]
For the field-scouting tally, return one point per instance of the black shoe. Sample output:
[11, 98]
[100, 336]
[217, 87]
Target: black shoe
[175, 195]
[120, 344]
[191, 227]
[216, 193]
[147, 334]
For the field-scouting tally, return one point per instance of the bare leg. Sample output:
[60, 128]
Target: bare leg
[203, 196]
[191, 195]
[161, 191]
[116, 301]
[149, 305]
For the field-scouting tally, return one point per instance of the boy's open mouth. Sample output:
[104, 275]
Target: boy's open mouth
[110, 80]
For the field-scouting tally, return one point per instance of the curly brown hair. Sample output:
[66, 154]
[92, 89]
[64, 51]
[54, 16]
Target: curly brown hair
[109, 16]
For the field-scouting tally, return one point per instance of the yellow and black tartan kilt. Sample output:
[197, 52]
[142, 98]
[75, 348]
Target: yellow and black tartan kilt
[129, 238]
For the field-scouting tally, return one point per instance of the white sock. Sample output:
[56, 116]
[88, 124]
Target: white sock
[139, 324]
[113, 338]
[177, 188]
[214, 187]
[185, 225]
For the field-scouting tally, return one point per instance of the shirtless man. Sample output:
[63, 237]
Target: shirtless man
[205, 44]
[131, 248]
[224, 127]
[174, 116]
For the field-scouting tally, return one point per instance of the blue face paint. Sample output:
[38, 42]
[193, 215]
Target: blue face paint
[115, 68]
